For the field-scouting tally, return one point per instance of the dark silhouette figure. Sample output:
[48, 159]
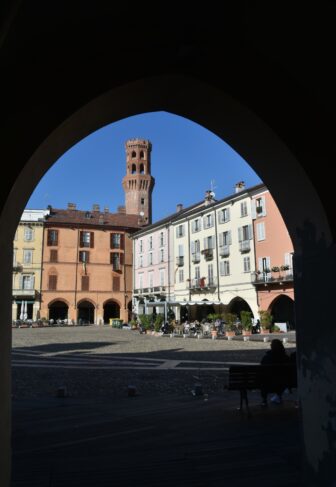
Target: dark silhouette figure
[276, 356]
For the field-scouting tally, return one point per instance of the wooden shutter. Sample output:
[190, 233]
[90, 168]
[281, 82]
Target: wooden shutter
[122, 241]
[249, 232]
[121, 259]
[263, 204]
[85, 283]
[52, 285]
[53, 255]
[81, 239]
[240, 234]
[116, 284]
[91, 240]
[221, 239]
[253, 209]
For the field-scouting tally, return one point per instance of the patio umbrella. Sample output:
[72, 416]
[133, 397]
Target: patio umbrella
[21, 311]
[25, 311]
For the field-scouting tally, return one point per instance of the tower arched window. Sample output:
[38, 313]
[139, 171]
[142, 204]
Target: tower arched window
[133, 154]
[142, 169]
[133, 168]
[142, 155]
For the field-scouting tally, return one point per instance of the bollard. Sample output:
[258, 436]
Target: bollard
[266, 339]
[198, 336]
[229, 338]
[284, 340]
[246, 339]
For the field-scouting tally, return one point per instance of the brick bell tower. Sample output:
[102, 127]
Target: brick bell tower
[138, 183]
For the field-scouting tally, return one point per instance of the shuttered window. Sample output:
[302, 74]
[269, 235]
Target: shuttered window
[116, 283]
[117, 241]
[84, 256]
[85, 283]
[52, 284]
[53, 255]
[86, 239]
[52, 238]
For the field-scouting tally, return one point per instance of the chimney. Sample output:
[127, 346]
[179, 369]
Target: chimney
[179, 207]
[209, 197]
[71, 206]
[121, 209]
[95, 207]
[240, 186]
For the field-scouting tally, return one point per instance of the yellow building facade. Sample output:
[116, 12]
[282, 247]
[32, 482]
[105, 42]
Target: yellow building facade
[27, 265]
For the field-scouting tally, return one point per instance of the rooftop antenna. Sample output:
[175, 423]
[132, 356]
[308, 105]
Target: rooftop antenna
[213, 187]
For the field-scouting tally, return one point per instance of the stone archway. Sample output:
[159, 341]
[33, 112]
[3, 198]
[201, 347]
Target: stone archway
[237, 305]
[282, 310]
[58, 310]
[269, 155]
[85, 312]
[111, 310]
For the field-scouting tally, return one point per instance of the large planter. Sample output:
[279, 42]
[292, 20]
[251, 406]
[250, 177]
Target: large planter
[247, 333]
[230, 333]
[265, 331]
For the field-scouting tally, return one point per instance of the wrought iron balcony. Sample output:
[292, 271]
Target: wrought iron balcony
[224, 250]
[196, 257]
[203, 284]
[208, 254]
[268, 278]
[244, 246]
[180, 261]
[24, 292]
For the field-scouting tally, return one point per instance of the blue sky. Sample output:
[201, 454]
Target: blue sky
[186, 158]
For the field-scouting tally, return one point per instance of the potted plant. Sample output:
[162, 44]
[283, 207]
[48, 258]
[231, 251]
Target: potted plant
[158, 323]
[246, 322]
[230, 324]
[265, 320]
[146, 322]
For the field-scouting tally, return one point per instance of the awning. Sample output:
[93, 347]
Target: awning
[155, 303]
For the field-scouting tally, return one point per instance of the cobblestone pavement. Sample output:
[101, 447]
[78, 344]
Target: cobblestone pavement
[95, 361]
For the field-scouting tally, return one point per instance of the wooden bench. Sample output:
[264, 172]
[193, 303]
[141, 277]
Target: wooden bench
[271, 378]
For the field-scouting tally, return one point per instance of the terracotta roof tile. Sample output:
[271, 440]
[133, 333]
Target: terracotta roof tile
[94, 218]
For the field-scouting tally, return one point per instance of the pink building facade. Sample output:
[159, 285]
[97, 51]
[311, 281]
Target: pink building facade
[152, 269]
[274, 259]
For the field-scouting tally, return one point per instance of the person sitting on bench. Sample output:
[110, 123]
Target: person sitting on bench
[277, 355]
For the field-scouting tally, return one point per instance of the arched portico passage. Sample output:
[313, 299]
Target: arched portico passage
[282, 310]
[267, 142]
[58, 310]
[237, 305]
[85, 312]
[111, 310]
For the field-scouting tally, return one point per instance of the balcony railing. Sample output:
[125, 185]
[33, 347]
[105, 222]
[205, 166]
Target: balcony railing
[202, 283]
[196, 257]
[208, 254]
[180, 261]
[224, 250]
[265, 278]
[24, 292]
[244, 246]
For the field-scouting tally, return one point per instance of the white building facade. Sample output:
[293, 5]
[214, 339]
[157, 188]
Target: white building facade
[209, 260]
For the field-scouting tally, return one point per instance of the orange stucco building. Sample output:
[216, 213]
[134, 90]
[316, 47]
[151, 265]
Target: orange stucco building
[274, 259]
[87, 265]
